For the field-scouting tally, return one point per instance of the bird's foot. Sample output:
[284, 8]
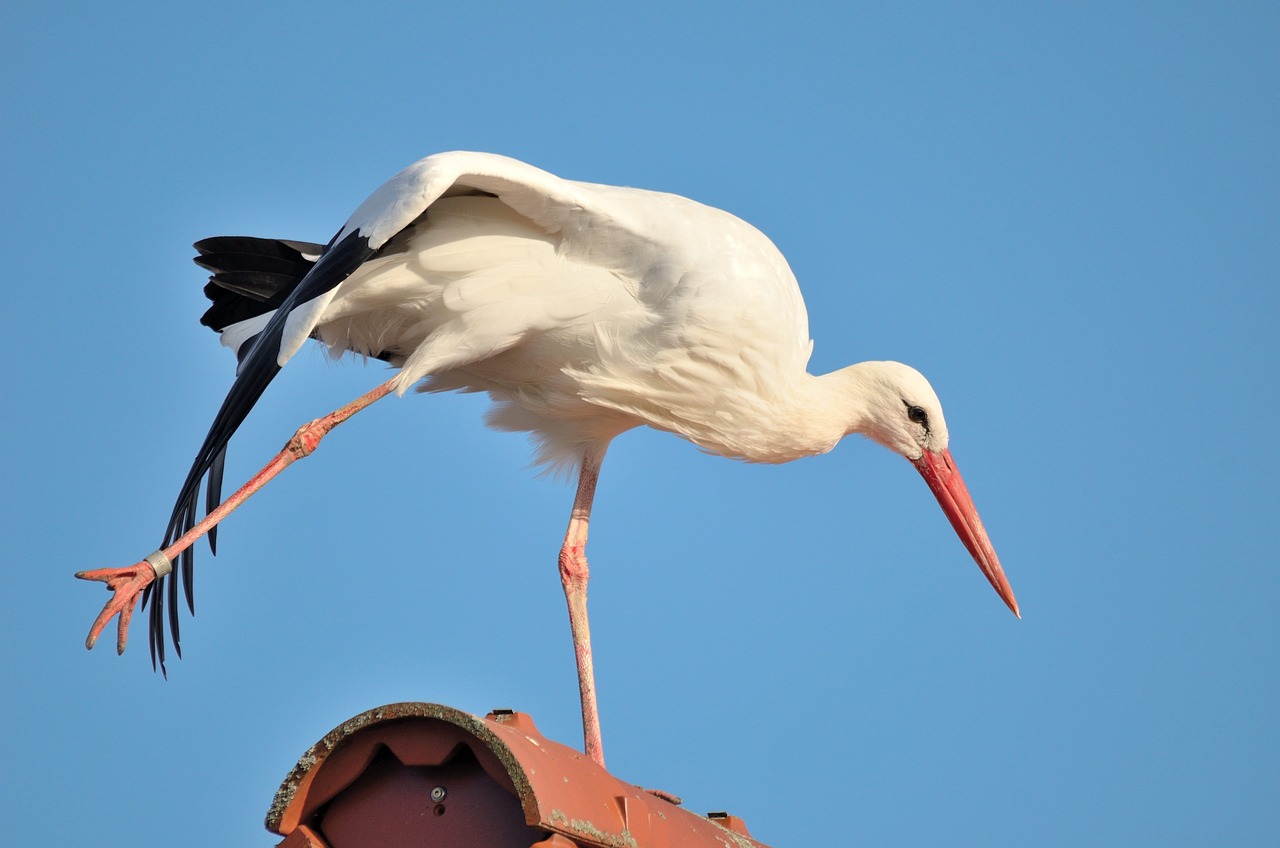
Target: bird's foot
[126, 585]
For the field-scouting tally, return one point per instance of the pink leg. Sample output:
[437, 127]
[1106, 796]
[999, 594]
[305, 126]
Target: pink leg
[126, 584]
[573, 575]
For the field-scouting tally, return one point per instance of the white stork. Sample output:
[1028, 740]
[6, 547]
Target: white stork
[583, 310]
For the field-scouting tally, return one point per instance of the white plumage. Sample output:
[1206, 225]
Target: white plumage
[583, 310]
[628, 312]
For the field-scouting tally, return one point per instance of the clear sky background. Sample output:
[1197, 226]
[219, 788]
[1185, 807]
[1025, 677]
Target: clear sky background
[1067, 215]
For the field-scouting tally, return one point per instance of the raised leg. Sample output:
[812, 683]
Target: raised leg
[573, 575]
[126, 584]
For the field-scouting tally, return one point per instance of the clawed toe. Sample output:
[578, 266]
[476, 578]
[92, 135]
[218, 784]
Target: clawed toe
[126, 585]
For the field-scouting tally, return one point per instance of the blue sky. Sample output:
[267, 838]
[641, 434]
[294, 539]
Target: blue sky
[1066, 216]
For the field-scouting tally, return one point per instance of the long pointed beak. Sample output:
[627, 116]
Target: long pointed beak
[939, 471]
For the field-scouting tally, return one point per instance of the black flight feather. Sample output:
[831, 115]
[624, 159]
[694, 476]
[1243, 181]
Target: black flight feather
[257, 369]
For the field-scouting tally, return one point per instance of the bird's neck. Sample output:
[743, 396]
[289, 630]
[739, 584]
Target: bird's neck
[811, 418]
[836, 404]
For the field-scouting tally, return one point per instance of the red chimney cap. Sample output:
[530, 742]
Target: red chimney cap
[560, 790]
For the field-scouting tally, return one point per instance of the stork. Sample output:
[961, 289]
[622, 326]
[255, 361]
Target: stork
[583, 310]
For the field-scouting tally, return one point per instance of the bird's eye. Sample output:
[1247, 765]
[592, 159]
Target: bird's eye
[918, 416]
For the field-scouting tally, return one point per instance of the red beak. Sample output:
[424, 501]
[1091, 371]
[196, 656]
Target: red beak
[948, 487]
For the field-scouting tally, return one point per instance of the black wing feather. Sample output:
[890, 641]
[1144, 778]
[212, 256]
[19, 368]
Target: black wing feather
[257, 369]
[213, 494]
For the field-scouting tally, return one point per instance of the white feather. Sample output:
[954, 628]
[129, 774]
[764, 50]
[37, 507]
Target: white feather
[234, 335]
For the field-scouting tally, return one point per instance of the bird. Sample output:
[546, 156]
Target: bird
[583, 310]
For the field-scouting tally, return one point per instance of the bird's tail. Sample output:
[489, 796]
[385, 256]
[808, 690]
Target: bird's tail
[251, 276]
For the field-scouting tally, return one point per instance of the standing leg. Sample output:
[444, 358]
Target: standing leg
[127, 583]
[573, 575]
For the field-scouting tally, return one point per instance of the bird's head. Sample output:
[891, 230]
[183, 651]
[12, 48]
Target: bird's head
[900, 410]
